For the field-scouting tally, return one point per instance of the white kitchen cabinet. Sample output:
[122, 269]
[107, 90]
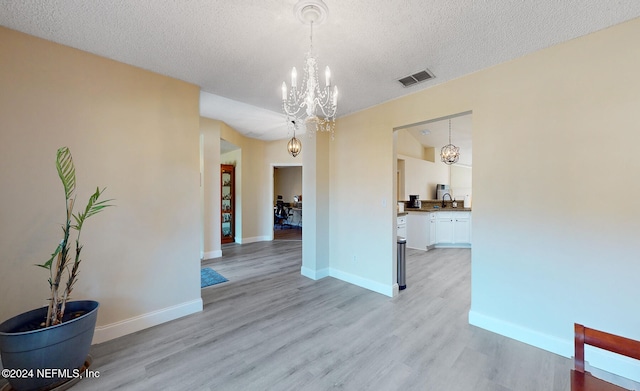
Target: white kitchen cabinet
[462, 228]
[432, 228]
[453, 228]
[439, 229]
[418, 230]
[401, 226]
[444, 227]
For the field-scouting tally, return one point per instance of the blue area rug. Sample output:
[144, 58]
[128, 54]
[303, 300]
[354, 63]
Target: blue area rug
[209, 277]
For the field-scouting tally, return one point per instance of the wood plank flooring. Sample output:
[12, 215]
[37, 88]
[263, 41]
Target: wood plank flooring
[269, 328]
[288, 233]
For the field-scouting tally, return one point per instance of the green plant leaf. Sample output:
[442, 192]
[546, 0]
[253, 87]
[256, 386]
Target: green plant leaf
[93, 207]
[66, 171]
[47, 265]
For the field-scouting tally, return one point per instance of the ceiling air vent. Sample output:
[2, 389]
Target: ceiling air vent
[416, 78]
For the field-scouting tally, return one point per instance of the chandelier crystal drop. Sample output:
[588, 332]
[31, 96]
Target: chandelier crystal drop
[311, 102]
[450, 154]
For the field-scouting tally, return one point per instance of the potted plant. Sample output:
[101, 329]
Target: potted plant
[48, 346]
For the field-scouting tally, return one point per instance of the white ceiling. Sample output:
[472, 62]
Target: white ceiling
[239, 52]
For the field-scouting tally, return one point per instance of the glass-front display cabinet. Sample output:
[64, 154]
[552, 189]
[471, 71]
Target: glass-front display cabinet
[227, 177]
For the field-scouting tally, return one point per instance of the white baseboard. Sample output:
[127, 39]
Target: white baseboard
[375, 286]
[624, 367]
[253, 239]
[615, 364]
[141, 322]
[212, 254]
[314, 274]
[452, 245]
[543, 341]
[350, 278]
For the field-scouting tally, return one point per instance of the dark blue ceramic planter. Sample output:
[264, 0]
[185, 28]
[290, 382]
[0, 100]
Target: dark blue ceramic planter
[61, 347]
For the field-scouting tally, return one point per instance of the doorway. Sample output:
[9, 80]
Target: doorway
[287, 202]
[418, 171]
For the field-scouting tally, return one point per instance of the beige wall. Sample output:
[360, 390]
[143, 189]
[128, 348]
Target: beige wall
[130, 130]
[551, 132]
[461, 182]
[210, 190]
[287, 182]
[362, 209]
[316, 177]
[422, 176]
[276, 152]
[408, 145]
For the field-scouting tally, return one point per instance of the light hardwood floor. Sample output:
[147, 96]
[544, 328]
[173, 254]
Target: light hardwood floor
[269, 328]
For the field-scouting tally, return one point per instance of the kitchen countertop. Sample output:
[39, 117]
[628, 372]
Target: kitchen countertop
[447, 209]
[435, 206]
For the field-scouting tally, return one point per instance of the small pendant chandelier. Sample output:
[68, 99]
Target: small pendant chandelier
[294, 146]
[312, 105]
[450, 154]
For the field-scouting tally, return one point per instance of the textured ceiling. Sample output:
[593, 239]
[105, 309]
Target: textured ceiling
[242, 50]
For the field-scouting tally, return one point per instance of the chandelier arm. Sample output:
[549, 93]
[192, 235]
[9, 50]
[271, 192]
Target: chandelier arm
[291, 111]
[295, 103]
[330, 112]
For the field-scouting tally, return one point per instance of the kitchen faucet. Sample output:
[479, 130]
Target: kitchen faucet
[450, 199]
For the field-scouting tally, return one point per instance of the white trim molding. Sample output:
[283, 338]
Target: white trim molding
[141, 322]
[212, 254]
[543, 341]
[253, 239]
[314, 274]
[371, 285]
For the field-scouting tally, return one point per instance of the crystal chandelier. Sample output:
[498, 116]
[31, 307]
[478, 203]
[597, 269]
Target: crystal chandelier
[294, 146]
[450, 154]
[311, 104]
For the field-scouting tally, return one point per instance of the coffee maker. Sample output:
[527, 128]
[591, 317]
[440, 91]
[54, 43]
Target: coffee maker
[414, 201]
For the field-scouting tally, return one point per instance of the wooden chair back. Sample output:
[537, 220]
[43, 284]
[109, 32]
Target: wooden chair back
[584, 381]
